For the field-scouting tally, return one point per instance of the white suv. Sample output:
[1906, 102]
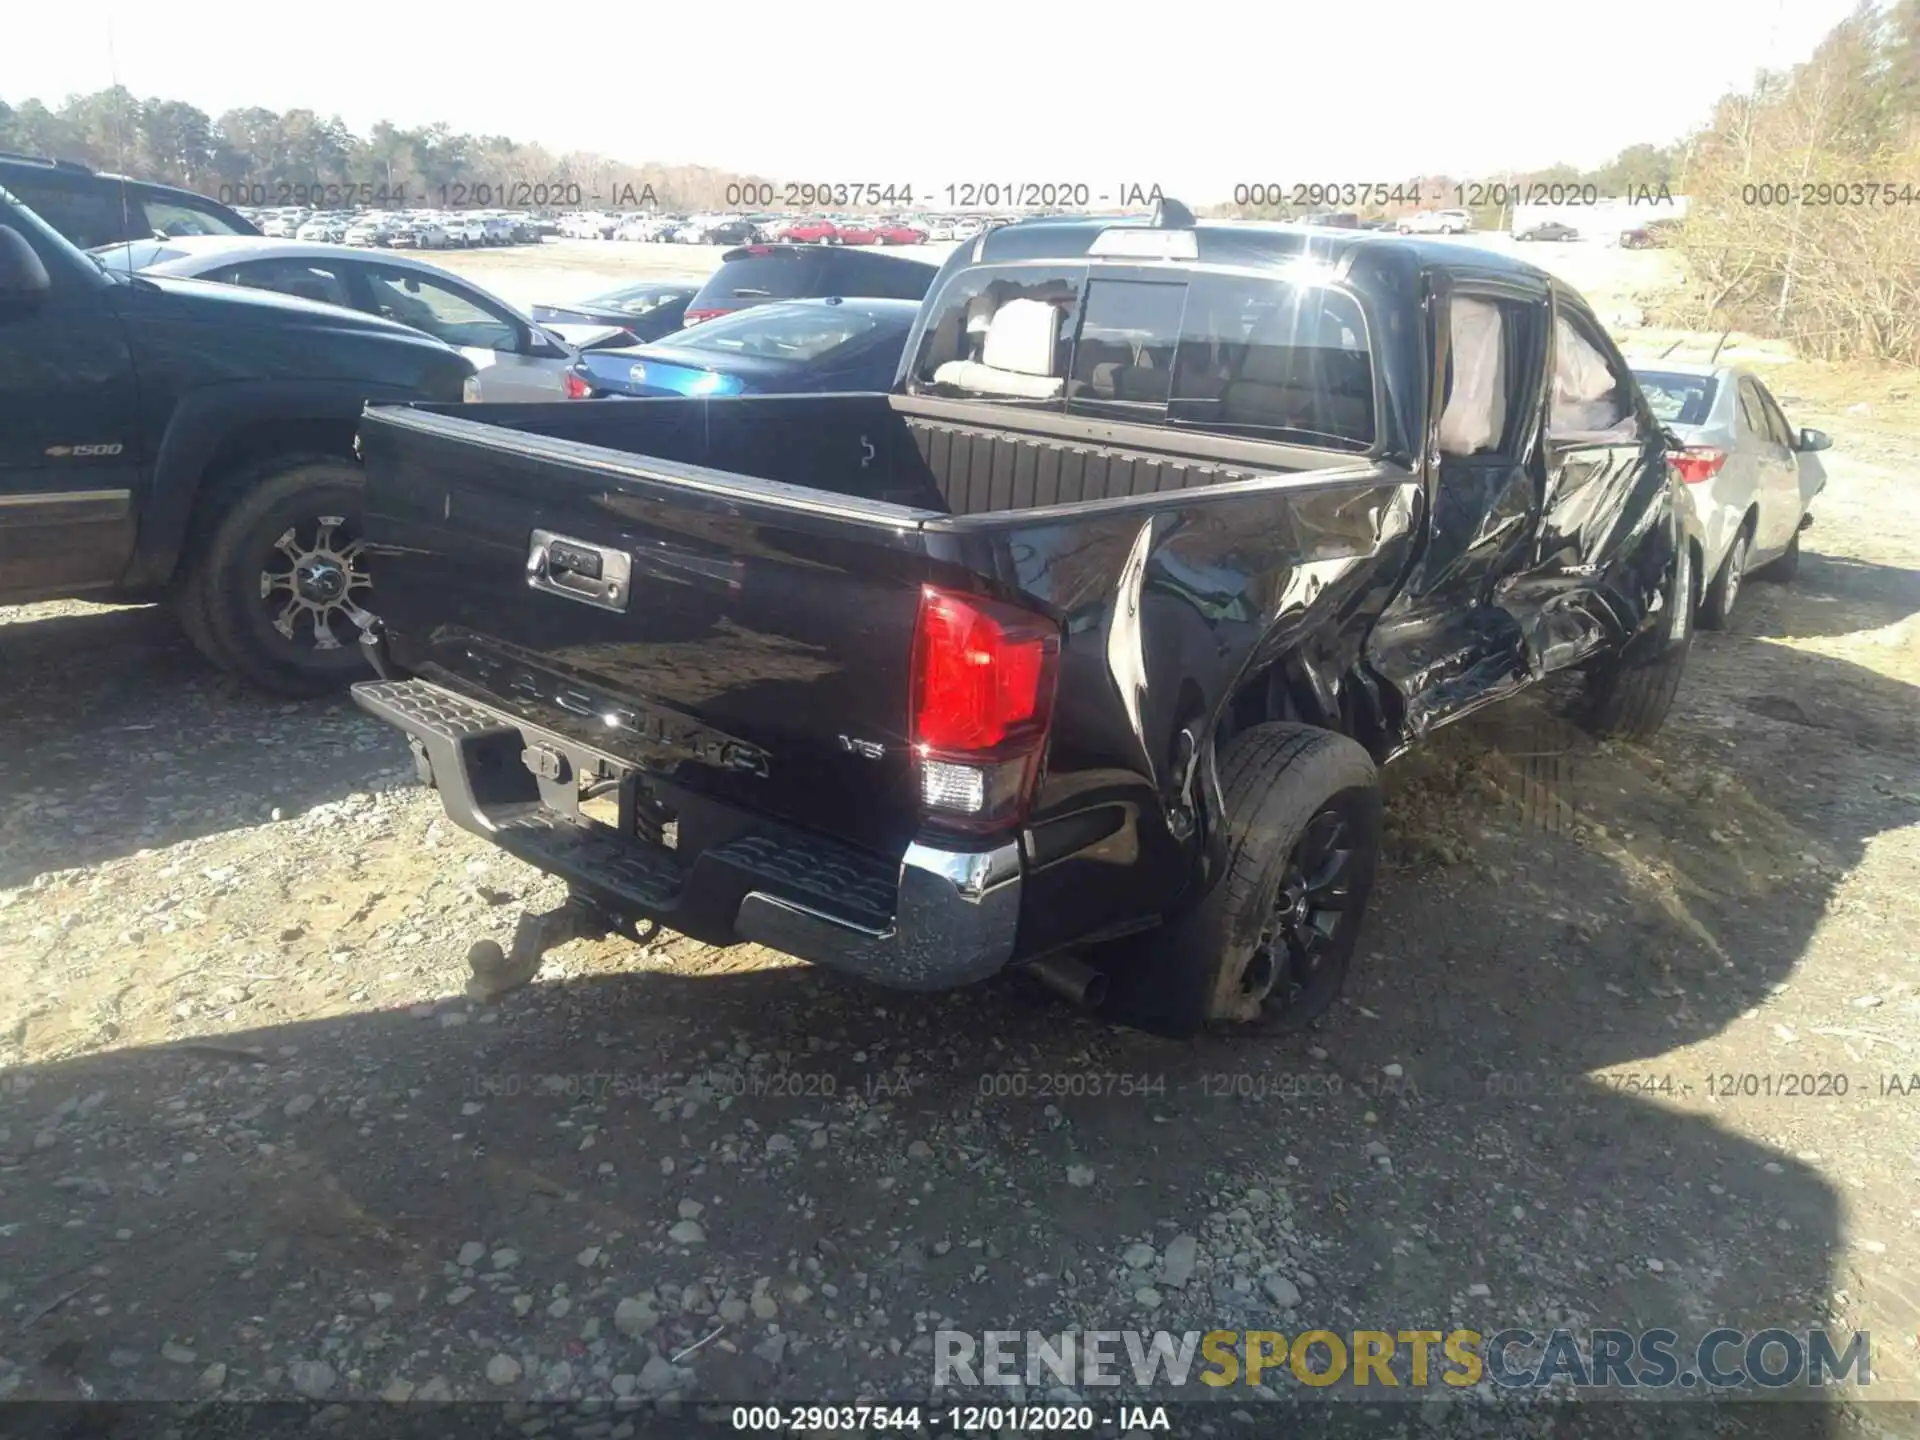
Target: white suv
[465, 230]
[1437, 222]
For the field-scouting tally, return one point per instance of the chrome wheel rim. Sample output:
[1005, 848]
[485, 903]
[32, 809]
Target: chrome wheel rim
[310, 583]
[1736, 567]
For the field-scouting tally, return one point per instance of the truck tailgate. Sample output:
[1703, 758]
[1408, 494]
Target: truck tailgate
[744, 641]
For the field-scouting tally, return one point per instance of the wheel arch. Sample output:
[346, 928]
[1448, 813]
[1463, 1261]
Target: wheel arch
[1307, 684]
[224, 430]
[236, 462]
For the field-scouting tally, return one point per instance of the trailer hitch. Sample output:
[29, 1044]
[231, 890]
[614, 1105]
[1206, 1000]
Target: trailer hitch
[497, 970]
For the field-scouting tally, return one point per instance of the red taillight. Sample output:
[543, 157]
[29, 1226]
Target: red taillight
[1696, 463]
[575, 387]
[694, 317]
[982, 698]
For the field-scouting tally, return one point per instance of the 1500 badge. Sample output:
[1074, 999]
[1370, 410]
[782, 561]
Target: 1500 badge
[61, 452]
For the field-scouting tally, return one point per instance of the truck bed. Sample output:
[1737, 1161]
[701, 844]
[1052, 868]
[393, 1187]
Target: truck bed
[950, 458]
[741, 669]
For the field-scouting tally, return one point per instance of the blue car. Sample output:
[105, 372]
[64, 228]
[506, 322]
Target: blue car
[787, 348]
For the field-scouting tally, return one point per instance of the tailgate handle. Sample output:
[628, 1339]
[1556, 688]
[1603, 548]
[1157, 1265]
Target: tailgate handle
[579, 570]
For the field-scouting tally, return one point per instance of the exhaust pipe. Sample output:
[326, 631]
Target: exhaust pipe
[1074, 979]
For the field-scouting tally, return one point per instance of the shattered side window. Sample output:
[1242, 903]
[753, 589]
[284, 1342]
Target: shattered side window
[1591, 404]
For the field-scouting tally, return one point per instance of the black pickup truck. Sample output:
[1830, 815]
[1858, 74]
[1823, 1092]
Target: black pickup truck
[1078, 650]
[175, 439]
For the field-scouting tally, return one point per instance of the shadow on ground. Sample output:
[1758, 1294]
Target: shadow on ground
[1834, 595]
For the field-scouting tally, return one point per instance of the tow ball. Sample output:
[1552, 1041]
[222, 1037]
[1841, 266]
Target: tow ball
[496, 971]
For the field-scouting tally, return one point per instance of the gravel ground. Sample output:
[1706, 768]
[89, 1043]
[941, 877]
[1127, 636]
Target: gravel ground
[256, 1143]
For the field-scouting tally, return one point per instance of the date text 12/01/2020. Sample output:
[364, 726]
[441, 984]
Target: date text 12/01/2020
[454, 195]
[955, 1419]
[484, 194]
[1470, 195]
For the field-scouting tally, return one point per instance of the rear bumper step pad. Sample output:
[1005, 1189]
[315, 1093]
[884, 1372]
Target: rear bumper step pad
[933, 919]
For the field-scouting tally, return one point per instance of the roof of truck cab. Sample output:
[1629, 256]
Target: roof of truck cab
[1252, 242]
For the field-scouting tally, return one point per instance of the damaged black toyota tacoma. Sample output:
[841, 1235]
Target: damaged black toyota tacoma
[1079, 650]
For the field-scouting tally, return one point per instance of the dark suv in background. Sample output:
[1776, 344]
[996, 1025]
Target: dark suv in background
[91, 208]
[754, 274]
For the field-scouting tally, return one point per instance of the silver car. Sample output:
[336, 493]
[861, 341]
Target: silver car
[1751, 474]
[514, 358]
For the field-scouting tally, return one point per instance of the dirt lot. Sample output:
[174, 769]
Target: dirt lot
[256, 1143]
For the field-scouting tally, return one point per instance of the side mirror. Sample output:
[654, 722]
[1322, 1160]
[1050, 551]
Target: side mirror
[23, 279]
[1811, 439]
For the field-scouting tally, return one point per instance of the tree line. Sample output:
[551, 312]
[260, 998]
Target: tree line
[1804, 187]
[1804, 192]
[253, 151]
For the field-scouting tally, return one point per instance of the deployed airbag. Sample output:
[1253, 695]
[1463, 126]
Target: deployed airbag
[1476, 413]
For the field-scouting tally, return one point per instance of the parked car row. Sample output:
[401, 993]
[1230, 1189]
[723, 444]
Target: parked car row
[400, 229]
[736, 229]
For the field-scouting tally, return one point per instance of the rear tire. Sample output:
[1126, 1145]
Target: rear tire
[1269, 947]
[1629, 693]
[283, 557]
[1717, 608]
[1786, 568]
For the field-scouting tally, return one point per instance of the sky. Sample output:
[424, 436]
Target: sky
[1197, 97]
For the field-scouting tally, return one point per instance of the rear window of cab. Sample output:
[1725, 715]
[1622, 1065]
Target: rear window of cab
[1256, 357]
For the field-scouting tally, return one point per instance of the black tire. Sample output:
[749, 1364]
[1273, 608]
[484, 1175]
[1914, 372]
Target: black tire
[1716, 608]
[1235, 962]
[1629, 694]
[189, 599]
[1783, 570]
[224, 594]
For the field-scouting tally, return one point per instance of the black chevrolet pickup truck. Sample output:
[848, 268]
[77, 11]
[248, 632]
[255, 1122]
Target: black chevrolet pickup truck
[1079, 649]
[168, 439]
